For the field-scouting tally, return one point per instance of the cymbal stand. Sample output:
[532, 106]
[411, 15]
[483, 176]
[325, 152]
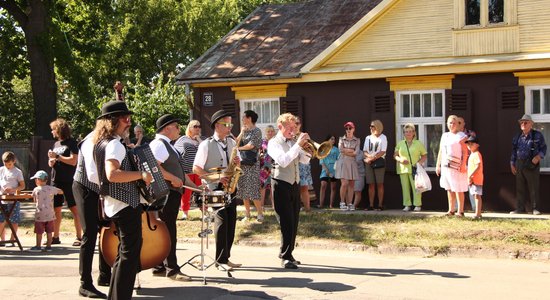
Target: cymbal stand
[203, 234]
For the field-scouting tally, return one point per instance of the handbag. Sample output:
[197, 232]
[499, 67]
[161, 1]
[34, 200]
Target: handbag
[378, 163]
[422, 181]
[249, 157]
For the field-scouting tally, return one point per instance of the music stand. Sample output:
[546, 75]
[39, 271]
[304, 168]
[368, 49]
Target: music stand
[203, 234]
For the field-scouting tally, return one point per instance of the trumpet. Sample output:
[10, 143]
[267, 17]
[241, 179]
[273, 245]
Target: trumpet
[314, 149]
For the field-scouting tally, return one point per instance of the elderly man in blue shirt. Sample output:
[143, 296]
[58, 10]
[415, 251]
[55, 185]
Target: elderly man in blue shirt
[528, 149]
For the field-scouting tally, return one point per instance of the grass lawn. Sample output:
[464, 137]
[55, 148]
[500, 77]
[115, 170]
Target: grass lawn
[432, 234]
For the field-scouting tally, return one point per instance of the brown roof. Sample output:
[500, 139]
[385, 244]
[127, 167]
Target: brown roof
[275, 40]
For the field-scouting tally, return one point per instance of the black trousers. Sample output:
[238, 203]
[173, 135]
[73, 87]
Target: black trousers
[286, 201]
[169, 215]
[225, 220]
[527, 183]
[87, 202]
[127, 263]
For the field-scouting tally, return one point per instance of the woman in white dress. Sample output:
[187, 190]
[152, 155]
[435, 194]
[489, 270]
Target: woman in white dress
[451, 165]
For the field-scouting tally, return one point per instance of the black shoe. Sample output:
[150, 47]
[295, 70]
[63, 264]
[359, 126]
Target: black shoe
[103, 281]
[55, 241]
[91, 292]
[159, 272]
[287, 264]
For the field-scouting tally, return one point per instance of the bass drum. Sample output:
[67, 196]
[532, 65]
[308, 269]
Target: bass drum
[155, 246]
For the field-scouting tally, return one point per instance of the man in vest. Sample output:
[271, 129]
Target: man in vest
[86, 194]
[215, 152]
[120, 191]
[172, 170]
[286, 153]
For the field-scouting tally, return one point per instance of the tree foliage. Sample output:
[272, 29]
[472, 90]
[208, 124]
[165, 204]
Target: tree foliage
[97, 42]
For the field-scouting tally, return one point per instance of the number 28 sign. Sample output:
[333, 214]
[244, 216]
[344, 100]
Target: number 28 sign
[207, 99]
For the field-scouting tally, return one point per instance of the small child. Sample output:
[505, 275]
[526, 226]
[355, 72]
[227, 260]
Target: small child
[45, 215]
[475, 174]
[11, 182]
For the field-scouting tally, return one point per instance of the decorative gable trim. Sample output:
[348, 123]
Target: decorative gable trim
[421, 82]
[260, 91]
[533, 78]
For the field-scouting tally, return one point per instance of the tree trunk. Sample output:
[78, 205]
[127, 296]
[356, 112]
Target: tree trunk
[40, 55]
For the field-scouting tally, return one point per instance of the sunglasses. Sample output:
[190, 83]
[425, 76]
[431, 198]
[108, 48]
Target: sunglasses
[197, 126]
[372, 126]
[228, 125]
[127, 119]
[349, 128]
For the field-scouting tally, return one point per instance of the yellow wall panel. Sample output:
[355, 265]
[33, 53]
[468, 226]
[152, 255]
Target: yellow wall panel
[409, 30]
[534, 21]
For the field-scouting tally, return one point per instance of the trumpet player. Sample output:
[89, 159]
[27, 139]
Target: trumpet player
[286, 151]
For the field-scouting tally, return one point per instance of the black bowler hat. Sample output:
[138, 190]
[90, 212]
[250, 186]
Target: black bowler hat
[165, 120]
[217, 116]
[114, 108]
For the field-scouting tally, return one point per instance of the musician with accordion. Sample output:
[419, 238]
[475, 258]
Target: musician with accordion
[120, 193]
[171, 166]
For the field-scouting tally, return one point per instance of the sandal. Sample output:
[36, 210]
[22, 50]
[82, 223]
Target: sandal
[77, 242]
[449, 214]
[380, 208]
[369, 208]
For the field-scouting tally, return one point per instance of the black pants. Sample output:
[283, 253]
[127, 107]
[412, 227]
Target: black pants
[527, 182]
[86, 202]
[225, 220]
[127, 263]
[169, 215]
[286, 201]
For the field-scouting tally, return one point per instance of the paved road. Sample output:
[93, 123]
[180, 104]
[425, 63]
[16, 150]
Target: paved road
[325, 274]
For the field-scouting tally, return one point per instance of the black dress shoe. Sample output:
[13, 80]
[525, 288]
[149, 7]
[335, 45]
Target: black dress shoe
[159, 273]
[91, 292]
[103, 281]
[287, 264]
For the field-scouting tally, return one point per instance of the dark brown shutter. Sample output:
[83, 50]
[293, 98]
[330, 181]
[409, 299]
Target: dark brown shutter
[383, 109]
[293, 105]
[511, 105]
[232, 105]
[459, 102]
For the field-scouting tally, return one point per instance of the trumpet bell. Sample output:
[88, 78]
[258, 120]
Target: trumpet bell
[317, 150]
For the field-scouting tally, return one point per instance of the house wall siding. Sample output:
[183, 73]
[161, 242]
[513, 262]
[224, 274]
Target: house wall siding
[534, 30]
[412, 29]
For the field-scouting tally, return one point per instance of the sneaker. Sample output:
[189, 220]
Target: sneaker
[513, 212]
[407, 208]
[260, 218]
[183, 218]
[47, 249]
[536, 212]
[418, 208]
[351, 207]
[245, 219]
[343, 206]
[35, 249]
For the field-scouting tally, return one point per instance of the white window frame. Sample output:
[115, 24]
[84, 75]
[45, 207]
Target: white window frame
[537, 117]
[244, 105]
[421, 121]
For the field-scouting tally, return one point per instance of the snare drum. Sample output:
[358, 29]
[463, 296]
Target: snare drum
[213, 199]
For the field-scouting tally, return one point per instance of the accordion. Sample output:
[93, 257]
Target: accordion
[142, 159]
[453, 162]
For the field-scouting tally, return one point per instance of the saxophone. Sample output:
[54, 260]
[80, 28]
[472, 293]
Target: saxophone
[233, 170]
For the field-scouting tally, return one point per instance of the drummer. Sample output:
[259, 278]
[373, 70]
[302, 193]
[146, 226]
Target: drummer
[214, 154]
[168, 158]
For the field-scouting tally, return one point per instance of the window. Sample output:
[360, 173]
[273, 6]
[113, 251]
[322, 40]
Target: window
[538, 106]
[424, 109]
[267, 110]
[483, 12]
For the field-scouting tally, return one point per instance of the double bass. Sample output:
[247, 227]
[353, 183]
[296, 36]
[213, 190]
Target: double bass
[155, 241]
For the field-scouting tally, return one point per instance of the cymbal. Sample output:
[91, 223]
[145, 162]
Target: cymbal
[215, 176]
[216, 169]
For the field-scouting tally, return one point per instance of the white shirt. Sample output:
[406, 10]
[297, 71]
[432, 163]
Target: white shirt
[202, 152]
[87, 150]
[114, 150]
[373, 148]
[282, 158]
[159, 149]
